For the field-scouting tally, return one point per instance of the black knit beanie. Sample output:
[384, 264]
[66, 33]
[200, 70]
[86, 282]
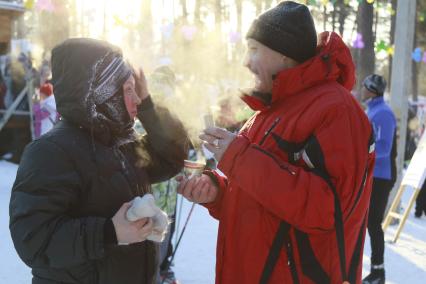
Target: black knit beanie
[375, 84]
[288, 29]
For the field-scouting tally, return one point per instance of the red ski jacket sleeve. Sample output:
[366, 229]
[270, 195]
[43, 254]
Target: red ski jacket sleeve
[292, 193]
[221, 182]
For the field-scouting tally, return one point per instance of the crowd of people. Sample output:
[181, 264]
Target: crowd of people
[299, 183]
[15, 76]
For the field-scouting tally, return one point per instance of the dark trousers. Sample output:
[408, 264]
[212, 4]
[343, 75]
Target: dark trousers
[378, 201]
[165, 263]
[421, 200]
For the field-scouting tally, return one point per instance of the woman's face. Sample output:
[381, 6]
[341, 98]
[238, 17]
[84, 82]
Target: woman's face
[131, 98]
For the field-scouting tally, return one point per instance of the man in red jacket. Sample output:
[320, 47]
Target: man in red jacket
[292, 207]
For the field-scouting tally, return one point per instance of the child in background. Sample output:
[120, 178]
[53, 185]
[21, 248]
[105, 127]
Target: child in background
[163, 83]
[45, 115]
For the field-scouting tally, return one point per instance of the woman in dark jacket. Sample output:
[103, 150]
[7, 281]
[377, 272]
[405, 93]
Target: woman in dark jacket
[68, 203]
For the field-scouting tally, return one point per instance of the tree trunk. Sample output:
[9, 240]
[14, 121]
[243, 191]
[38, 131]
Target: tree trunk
[415, 68]
[145, 32]
[58, 24]
[366, 60]
[268, 4]
[392, 39]
[73, 19]
[343, 13]
[238, 47]
[239, 7]
[258, 7]
[104, 30]
[197, 14]
[184, 11]
[333, 18]
[218, 15]
[376, 22]
[325, 17]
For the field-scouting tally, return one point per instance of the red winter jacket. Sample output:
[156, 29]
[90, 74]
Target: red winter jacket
[288, 163]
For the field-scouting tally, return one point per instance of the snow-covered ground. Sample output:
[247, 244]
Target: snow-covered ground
[195, 259]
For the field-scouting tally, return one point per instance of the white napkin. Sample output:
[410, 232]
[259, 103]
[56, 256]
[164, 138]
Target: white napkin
[145, 207]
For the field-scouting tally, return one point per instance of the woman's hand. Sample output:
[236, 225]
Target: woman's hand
[131, 232]
[141, 84]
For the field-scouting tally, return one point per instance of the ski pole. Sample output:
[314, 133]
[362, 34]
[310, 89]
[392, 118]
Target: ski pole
[180, 238]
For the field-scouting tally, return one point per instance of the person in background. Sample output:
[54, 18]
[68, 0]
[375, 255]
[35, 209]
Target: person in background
[421, 202]
[163, 84]
[384, 124]
[45, 114]
[226, 117]
[3, 90]
[45, 72]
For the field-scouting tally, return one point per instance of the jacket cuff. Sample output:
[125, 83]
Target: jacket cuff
[212, 177]
[237, 146]
[220, 183]
[110, 236]
[146, 104]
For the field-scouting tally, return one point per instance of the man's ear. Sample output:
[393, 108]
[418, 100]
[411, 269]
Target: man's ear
[289, 62]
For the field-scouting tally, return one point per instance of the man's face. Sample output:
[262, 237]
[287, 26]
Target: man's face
[131, 99]
[263, 62]
[366, 94]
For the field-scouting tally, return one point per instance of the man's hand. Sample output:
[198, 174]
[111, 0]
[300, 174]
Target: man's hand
[217, 140]
[198, 189]
[141, 84]
[131, 232]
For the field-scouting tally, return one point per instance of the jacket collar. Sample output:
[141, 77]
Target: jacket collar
[375, 102]
[332, 62]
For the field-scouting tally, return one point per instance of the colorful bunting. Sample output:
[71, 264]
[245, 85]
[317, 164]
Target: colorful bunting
[167, 30]
[358, 42]
[29, 4]
[165, 61]
[417, 54]
[234, 37]
[189, 32]
[381, 46]
[45, 5]
[118, 21]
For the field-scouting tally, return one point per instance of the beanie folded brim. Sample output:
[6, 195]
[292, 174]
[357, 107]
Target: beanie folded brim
[280, 41]
[288, 29]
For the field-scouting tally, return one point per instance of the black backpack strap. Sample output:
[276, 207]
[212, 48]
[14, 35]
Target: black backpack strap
[315, 154]
[274, 252]
[314, 148]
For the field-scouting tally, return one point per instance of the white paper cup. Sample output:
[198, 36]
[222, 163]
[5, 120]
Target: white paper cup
[192, 168]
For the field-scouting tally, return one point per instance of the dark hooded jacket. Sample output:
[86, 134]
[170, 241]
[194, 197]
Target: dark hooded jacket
[72, 180]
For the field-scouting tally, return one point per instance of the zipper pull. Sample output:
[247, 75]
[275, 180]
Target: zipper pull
[269, 130]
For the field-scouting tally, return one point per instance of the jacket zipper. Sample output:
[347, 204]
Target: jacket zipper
[267, 132]
[291, 263]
